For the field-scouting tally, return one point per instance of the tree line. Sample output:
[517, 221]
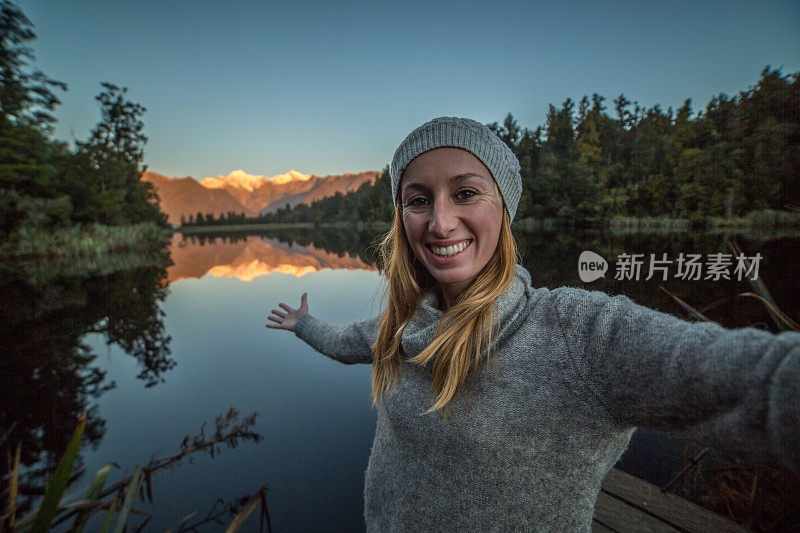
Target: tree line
[47, 184]
[739, 155]
[209, 219]
[370, 202]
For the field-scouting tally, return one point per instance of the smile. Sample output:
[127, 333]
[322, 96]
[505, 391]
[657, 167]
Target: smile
[448, 251]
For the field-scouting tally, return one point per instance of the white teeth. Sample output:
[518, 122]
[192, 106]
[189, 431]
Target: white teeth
[447, 251]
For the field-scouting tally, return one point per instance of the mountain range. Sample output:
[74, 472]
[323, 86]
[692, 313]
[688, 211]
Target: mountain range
[248, 193]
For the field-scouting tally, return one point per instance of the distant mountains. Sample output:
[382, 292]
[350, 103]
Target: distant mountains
[247, 193]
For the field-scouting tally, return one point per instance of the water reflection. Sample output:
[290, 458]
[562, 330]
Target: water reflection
[246, 257]
[550, 257]
[49, 375]
[552, 260]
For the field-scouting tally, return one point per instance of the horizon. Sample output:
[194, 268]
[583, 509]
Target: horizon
[224, 91]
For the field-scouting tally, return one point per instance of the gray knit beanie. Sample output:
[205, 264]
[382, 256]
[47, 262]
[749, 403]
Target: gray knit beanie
[469, 135]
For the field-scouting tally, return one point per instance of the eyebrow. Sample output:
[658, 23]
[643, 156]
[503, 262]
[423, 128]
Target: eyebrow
[454, 179]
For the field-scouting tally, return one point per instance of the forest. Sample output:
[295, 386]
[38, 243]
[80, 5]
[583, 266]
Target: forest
[591, 160]
[738, 157]
[47, 186]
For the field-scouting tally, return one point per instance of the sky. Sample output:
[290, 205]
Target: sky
[334, 87]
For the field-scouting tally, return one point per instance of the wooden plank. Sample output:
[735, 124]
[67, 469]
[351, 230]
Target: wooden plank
[619, 516]
[678, 512]
[599, 527]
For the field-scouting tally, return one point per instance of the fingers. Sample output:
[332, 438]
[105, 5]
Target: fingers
[278, 322]
[289, 314]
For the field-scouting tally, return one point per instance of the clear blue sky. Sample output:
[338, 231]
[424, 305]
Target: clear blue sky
[332, 87]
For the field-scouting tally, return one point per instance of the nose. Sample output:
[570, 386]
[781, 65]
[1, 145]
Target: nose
[443, 219]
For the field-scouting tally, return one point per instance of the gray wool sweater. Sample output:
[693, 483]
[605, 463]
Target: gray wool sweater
[574, 372]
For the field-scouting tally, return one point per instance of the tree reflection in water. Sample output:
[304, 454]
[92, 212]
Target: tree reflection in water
[49, 376]
[552, 259]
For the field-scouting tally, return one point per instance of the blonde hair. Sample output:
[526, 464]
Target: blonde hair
[466, 329]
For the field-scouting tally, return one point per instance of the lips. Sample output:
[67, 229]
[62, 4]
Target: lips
[449, 250]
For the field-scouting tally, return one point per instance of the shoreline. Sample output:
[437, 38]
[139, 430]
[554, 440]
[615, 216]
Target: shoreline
[226, 228]
[767, 225]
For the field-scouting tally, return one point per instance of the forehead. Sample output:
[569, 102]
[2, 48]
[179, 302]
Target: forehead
[444, 164]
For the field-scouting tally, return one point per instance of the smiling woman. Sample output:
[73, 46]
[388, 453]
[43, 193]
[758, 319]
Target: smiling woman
[559, 378]
[452, 213]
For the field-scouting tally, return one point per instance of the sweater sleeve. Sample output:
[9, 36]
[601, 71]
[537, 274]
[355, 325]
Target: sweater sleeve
[734, 389]
[346, 343]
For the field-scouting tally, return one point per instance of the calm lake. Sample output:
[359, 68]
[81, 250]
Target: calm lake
[153, 353]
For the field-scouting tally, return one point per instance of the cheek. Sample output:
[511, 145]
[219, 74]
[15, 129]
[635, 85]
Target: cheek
[490, 220]
[411, 229]
[412, 236]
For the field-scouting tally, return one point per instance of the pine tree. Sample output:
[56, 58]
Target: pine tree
[26, 151]
[115, 154]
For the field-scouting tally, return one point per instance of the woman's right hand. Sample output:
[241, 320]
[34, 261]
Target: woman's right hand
[287, 319]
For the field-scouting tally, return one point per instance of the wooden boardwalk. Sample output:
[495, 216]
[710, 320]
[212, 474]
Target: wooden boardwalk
[626, 503]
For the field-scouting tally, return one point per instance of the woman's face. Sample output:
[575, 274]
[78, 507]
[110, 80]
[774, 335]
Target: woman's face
[452, 213]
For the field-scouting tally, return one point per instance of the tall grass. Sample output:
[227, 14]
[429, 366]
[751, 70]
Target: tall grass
[118, 499]
[761, 498]
[78, 241]
[82, 251]
[662, 224]
[765, 220]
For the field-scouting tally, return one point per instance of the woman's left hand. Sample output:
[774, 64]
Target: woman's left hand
[287, 319]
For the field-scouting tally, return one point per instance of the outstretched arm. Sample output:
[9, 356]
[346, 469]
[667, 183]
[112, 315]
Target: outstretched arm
[346, 343]
[738, 390]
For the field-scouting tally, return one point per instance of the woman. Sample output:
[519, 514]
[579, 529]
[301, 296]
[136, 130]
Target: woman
[559, 379]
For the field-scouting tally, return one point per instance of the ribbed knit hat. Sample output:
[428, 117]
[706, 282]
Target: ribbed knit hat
[469, 135]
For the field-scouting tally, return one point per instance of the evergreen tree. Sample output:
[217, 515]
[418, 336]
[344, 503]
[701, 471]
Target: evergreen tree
[114, 154]
[26, 102]
[740, 154]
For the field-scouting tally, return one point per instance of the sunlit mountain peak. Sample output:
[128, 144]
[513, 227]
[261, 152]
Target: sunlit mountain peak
[253, 269]
[290, 176]
[249, 182]
[238, 178]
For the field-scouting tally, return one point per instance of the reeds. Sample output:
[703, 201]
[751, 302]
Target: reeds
[662, 224]
[92, 250]
[535, 224]
[753, 222]
[760, 498]
[92, 240]
[118, 499]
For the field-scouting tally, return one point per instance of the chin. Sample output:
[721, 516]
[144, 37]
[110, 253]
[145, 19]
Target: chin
[453, 279]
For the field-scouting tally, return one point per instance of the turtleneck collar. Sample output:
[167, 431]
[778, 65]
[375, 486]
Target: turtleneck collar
[511, 309]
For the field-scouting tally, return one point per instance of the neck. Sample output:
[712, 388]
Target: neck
[448, 297]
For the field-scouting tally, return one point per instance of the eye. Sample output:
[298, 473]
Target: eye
[416, 201]
[465, 194]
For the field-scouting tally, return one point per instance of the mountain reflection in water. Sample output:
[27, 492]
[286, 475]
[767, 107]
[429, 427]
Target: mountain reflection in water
[248, 257]
[51, 373]
[550, 258]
